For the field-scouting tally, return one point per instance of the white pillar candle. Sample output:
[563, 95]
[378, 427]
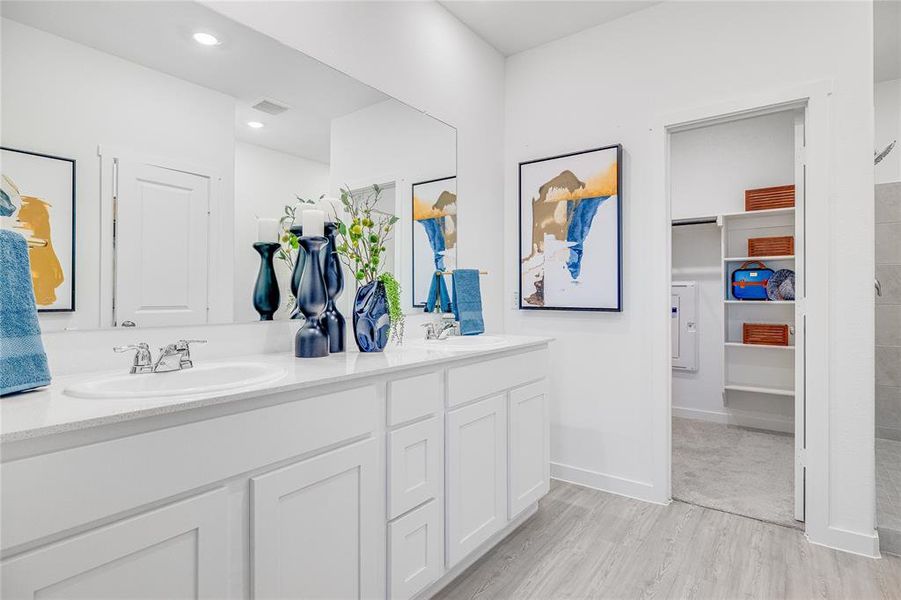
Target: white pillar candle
[267, 230]
[313, 222]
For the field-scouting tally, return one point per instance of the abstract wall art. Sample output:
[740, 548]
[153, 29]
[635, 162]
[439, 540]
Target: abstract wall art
[434, 235]
[570, 230]
[37, 197]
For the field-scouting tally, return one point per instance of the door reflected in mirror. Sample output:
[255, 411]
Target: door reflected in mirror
[194, 137]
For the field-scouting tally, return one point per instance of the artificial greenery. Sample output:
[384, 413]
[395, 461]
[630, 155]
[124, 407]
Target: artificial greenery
[362, 236]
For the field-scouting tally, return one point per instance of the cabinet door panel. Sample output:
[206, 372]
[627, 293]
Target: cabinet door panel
[177, 551]
[477, 475]
[414, 465]
[414, 551]
[529, 460]
[315, 527]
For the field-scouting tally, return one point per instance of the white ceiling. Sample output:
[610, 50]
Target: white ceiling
[247, 65]
[887, 33]
[512, 26]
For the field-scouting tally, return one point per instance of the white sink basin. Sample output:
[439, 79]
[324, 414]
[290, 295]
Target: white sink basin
[197, 380]
[462, 343]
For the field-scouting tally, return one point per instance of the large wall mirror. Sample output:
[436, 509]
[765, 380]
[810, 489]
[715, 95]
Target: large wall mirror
[148, 145]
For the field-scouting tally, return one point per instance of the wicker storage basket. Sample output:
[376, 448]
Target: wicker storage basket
[767, 334]
[782, 196]
[783, 245]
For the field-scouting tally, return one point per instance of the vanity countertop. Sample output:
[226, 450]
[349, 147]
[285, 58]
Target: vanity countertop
[50, 411]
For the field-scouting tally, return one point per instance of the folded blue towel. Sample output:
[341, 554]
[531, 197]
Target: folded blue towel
[438, 295]
[23, 364]
[468, 301]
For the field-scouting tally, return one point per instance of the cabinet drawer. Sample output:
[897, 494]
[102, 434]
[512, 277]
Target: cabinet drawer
[414, 397]
[414, 551]
[477, 380]
[415, 471]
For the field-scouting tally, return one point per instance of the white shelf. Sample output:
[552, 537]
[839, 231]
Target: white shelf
[760, 258]
[758, 390]
[760, 302]
[764, 346]
[760, 213]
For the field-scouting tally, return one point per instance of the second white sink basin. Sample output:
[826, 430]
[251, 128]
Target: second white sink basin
[197, 380]
[462, 343]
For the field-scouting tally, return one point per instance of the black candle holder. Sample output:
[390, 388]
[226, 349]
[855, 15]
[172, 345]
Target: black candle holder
[265, 292]
[312, 340]
[297, 273]
[332, 320]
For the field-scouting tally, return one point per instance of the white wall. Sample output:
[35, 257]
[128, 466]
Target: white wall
[390, 141]
[751, 153]
[64, 99]
[265, 181]
[614, 83]
[888, 128]
[420, 54]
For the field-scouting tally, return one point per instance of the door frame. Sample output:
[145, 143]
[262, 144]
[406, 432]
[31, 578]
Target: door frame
[815, 99]
[221, 252]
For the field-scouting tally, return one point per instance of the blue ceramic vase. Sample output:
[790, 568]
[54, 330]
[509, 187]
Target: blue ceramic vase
[311, 340]
[297, 273]
[265, 291]
[332, 320]
[371, 321]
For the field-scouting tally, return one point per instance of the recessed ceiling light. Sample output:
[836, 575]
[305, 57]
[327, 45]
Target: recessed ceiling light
[206, 39]
[254, 124]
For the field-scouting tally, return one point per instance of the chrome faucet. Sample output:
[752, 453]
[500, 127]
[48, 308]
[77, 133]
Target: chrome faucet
[443, 326]
[173, 357]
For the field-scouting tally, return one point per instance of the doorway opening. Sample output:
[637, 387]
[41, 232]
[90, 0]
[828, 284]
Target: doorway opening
[736, 189]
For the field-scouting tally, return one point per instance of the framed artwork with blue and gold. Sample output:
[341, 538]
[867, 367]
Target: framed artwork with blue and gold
[37, 195]
[434, 234]
[570, 231]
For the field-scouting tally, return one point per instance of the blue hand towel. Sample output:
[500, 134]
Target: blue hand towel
[468, 301]
[438, 295]
[23, 364]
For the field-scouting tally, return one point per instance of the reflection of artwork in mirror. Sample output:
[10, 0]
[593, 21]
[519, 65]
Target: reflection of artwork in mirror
[569, 231]
[434, 233]
[38, 194]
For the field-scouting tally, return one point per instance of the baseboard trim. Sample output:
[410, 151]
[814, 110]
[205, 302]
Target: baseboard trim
[739, 418]
[639, 490]
[864, 544]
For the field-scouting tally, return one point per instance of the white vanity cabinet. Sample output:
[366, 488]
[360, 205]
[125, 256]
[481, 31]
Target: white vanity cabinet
[386, 486]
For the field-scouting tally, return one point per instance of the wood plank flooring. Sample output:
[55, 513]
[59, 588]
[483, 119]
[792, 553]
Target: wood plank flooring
[583, 543]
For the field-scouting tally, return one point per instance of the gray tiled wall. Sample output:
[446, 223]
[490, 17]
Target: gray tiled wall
[888, 311]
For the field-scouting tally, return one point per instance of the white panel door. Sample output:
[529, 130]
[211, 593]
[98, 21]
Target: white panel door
[477, 475]
[178, 551]
[800, 353]
[414, 551]
[529, 449]
[162, 245]
[316, 526]
[414, 465]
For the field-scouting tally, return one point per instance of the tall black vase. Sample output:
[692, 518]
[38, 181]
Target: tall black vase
[297, 273]
[332, 320]
[311, 340]
[265, 291]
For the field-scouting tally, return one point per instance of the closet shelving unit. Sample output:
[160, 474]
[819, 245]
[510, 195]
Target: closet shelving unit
[756, 368]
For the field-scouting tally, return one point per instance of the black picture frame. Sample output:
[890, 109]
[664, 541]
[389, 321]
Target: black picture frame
[413, 302]
[619, 232]
[72, 165]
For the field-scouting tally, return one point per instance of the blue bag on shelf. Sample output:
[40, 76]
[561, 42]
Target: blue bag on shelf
[749, 281]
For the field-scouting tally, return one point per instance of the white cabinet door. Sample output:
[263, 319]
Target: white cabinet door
[528, 459]
[415, 472]
[177, 551]
[162, 245]
[316, 525]
[414, 551]
[477, 475]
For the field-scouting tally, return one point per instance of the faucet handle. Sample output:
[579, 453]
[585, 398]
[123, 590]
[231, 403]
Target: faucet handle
[138, 346]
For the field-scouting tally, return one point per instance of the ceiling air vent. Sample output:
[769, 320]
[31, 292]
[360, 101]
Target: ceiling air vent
[271, 107]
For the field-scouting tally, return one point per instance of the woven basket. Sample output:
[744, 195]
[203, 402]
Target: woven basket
[783, 245]
[782, 196]
[765, 334]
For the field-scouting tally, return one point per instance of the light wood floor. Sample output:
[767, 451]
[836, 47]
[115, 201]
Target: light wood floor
[588, 544]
